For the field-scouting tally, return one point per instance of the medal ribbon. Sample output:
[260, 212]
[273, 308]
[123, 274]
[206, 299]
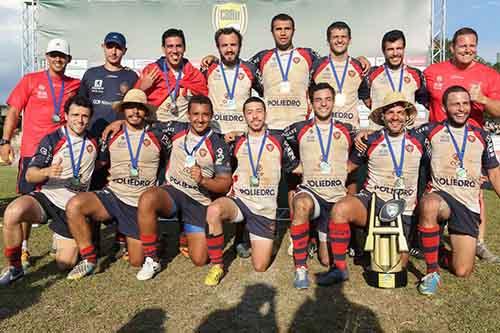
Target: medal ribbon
[325, 152]
[134, 159]
[388, 74]
[197, 146]
[340, 84]
[75, 168]
[461, 152]
[397, 168]
[172, 93]
[230, 93]
[58, 102]
[259, 156]
[284, 75]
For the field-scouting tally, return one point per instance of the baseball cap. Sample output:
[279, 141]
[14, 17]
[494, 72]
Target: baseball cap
[117, 38]
[58, 45]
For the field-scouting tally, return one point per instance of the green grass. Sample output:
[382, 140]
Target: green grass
[177, 301]
[7, 182]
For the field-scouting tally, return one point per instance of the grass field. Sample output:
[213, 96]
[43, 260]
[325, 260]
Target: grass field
[177, 301]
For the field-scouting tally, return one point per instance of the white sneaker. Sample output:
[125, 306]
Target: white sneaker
[148, 270]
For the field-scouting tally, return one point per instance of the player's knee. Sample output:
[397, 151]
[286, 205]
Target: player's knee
[199, 261]
[65, 263]
[214, 212]
[463, 271]
[12, 215]
[147, 201]
[302, 205]
[339, 210]
[260, 267]
[429, 205]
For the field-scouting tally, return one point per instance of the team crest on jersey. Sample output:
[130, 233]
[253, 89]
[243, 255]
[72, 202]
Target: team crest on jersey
[124, 87]
[90, 149]
[230, 14]
[471, 138]
[270, 147]
[407, 79]
[336, 135]
[409, 148]
[147, 142]
[203, 152]
[296, 60]
[241, 76]
[352, 73]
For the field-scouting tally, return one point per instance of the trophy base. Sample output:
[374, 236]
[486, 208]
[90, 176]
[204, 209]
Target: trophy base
[387, 280]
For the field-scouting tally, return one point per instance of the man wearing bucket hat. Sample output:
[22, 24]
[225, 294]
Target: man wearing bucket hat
[40, 97]
[134, 154]
[395, 146]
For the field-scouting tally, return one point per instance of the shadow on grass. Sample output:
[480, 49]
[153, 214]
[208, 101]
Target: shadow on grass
[26, 292]
[256, 312]
[148, 320]
[331, 311]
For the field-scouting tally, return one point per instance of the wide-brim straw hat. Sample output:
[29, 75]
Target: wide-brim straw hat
[134, 96]
[391, 99]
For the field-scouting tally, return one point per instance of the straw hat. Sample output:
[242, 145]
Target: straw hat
[134, 96]
[391, 99]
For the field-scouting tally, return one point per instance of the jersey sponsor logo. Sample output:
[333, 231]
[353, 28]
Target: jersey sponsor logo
[284, 102]
[270, 147]
[228, 117]
[324, 183]
[438, 85]
[97, 83]
[97, 87]
[203, 152]
[296, 60]
[133, 181]
[391, 190]
[41, 92]
[343, 115]
[230, 15]
[262, 192]
[450, 181]
[182, 183]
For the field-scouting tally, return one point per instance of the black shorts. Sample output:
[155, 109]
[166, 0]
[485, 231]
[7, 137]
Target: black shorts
[462, 220]
[194, 214]
[56, 214]
[321, 214]
[256, 224]
[23, 187]
[409, 221]
[124, 215]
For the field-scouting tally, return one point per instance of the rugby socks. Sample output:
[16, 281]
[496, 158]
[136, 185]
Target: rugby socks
[150, 246]
[430, 246]
[13, 255]
[215, 248]
[89, 253]
[300, 240]
[24, 245]
[340, 236]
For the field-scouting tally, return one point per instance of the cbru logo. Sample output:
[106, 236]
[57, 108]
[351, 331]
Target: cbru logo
[230, 14]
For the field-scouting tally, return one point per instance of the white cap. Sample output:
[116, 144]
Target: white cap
[58, 45]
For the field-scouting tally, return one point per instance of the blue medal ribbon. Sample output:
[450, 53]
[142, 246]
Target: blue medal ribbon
[259, 156]
[134, 159]
[172, 93]
[197, 146]
[340, 84]
[397, 168]
[388, 74]
[284, 74]
[230, 93]
[57, 103]
[325, 152]
[461, 152]
[75, 167]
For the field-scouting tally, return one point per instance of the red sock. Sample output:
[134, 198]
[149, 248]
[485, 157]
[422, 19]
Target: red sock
[89, 253]
[340, 236]
[300, 241]
[430, 246]
[150, 246]
[13, 255]
[215, 248]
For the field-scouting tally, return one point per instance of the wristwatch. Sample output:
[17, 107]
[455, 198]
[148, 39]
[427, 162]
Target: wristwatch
[4, 142]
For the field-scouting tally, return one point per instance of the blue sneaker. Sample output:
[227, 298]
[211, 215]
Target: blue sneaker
[334, 275]
[301, 280]
[81, 270]
[429, 283]
[10, 274]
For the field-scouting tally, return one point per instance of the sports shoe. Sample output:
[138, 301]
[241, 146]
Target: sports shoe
[301, 280]
[334, 275]
[25, 259]
[214, 275]
[82, 269]
[148, 270]
[10, 274]
[429, 283]
[312, 248]
[483, 253]
[243, 250]
[119, 250]
[416, 253]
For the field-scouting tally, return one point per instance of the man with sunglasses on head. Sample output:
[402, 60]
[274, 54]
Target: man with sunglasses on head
[39, 97]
